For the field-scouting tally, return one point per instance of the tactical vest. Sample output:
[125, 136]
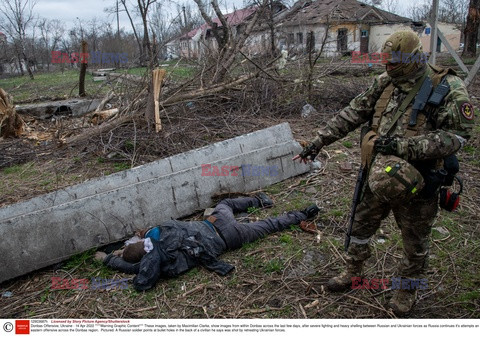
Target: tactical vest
[436, 76]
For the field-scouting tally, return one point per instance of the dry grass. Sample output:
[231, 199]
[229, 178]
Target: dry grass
[281, 276]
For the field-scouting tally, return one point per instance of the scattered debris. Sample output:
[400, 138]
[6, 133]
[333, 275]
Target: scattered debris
[309, 227]
[308, 110]
[346, 167]
[442, 231]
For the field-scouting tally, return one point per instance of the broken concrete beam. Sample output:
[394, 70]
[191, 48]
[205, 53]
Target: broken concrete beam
[47, 110]
[52, 227]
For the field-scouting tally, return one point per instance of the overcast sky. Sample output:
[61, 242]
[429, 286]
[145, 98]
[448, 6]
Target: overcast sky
[69, 10]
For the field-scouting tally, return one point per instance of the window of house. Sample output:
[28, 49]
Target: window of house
[300, 38]
[364, 33]
[290, 39]
[311, 41]
[342, 40]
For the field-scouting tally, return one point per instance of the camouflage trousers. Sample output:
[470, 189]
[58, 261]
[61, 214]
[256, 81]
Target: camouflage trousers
[414, 219]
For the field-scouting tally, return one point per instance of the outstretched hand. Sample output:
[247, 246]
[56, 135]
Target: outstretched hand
[308, 154]
[304, 160]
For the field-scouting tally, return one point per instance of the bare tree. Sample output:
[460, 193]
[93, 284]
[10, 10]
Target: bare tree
[19, 17]
[143, 6]
[389, 5]
[228, 44]
[51, 32]
[420, 11]
[126, 9]
[471, 29]
[372, 2]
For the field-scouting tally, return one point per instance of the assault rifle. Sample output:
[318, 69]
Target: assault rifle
[357, 194]
[361, 177]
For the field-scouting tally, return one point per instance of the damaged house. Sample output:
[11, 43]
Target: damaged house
[194, 43]
[350, 26]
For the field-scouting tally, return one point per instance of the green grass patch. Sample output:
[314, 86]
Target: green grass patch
[250, 262]
[336, 213]
[470, 296]
[470, 149]
[347, 144]
[79, 260]
[12, 170]
[121, 166]
[252, 245]
[253, 210]
[274, 266]
[285, 238]
[23, 171]
[295, 228]
[53, 84]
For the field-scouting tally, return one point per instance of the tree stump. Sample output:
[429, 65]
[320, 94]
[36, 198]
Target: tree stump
[11, 125]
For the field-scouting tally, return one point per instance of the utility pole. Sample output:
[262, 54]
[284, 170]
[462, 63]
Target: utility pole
[185, 28]
[118, 24]
[434, 32]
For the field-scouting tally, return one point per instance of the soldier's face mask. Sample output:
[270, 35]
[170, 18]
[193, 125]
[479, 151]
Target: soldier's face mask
[404, 55]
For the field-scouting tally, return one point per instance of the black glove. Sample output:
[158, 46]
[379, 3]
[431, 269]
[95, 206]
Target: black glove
[386, 145]
[309, 152]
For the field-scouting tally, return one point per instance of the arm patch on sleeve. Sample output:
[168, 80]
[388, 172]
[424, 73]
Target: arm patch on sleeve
[466, 109]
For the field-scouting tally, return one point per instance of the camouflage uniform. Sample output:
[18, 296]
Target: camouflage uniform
[437, 139]
[441, 135]
[399, 154]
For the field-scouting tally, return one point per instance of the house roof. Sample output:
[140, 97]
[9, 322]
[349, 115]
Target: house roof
[233, 19]
[312, 12]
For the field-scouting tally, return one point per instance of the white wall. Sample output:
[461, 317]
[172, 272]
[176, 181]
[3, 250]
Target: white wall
[450, 32]
[379, 33]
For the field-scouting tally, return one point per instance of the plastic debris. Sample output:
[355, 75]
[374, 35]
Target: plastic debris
[307, 110]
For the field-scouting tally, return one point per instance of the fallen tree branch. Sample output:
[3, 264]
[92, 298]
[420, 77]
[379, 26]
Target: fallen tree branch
[203, 92]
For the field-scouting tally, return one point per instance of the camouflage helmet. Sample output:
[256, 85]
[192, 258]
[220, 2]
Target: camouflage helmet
[405, 49]
[392, 178]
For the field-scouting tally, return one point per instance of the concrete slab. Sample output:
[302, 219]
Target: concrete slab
[47, 110]
[52, 227]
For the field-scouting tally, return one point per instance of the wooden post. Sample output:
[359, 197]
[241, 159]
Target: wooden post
[83, 70]
[433, 33]
[157, 75]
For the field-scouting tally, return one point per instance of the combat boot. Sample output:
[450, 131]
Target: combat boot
[311, 211]
[343, 282]
[265, 201]
[402, 301]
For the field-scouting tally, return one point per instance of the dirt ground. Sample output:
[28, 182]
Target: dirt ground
[281, 276]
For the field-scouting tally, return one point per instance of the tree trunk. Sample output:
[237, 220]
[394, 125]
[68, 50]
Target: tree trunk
[29, 70]
[140, 49]
[471, 29]
[83, 71]
[19, 58]
[271, 23]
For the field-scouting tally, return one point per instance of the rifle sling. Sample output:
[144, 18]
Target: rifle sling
[403, 107]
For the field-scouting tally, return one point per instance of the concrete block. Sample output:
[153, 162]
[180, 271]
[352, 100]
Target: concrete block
[52, 227]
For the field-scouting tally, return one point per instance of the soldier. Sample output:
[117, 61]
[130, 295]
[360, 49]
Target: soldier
[418, 115]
